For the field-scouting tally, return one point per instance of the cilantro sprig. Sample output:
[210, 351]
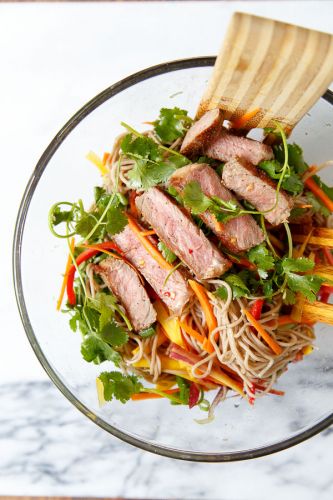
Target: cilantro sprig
[172, 124]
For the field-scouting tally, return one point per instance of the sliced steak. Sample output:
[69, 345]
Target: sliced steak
[181, 235]
[226, 146]
[238, 234]
[175, 293]
[202, 132]
[255, 186]
[124, 282]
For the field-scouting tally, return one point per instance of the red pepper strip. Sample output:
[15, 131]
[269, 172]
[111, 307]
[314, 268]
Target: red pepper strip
[256, 309]
[324, 294]
[86, 255]
[194, 395]
[328, 254]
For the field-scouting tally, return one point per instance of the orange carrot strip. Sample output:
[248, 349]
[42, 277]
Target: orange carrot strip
[207, 308]
[193, 333]
[288, 320]
[319, 193]
[240, 122]
[102, 250]
[148, 233]
[141, 396]
[64, 281]
[106, 158]
[276, 348]
[148, 244]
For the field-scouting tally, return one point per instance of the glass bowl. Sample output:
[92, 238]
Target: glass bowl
[239, 430]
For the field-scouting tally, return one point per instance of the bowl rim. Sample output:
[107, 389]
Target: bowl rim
[163, 450]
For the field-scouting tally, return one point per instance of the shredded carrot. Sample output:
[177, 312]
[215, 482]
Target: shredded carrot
[148, 233]
[276, 348]
[193, 333]
[241, 121]
[97, 161]
[207, 308]
[106, 158]
[141, 396]
[64, 281]
[148, 244]
[299, 253]
[102, 250]
[319, 193]
[288, 320]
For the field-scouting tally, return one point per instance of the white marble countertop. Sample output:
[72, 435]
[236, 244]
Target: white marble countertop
[54, 57]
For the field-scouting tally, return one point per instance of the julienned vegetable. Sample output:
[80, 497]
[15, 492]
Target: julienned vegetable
[243, 282]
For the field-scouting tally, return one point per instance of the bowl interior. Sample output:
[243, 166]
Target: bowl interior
[239, 431]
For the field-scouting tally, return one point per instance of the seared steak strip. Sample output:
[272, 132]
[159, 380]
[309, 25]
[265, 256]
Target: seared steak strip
[255, 186]
[181, 235]
[202, 132]
[238, 234]
[175, 293]
[123, 281]
[226, 146]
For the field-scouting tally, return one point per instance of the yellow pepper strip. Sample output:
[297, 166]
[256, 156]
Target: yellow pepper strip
[100, 392]
[170, 326]
[97, 161]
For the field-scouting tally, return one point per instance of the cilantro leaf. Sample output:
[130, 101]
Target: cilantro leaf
[295, 157]
[86, 224]
[195, 199]
[292, 183]
[59, 216]
[166, 252]
[150, 168]
[114, 334]
[119, 386]
[140, 147]
[171, 124]
[263, 259]
[297, 265]
[95, 350]
[272, 168]
[116, 220]
[221, 292]
[307, 285]
[238, 285]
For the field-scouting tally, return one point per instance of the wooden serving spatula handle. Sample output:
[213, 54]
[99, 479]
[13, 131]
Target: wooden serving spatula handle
[269, 69]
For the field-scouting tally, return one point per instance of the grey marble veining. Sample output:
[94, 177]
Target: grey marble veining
[48, 447]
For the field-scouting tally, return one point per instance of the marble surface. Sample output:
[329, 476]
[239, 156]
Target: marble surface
[53, 59]
[48, 447]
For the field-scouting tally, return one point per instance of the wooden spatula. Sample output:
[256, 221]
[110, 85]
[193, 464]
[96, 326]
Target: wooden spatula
[269, 70]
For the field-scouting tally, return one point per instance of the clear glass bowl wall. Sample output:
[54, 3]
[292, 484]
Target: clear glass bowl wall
[239, 430]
